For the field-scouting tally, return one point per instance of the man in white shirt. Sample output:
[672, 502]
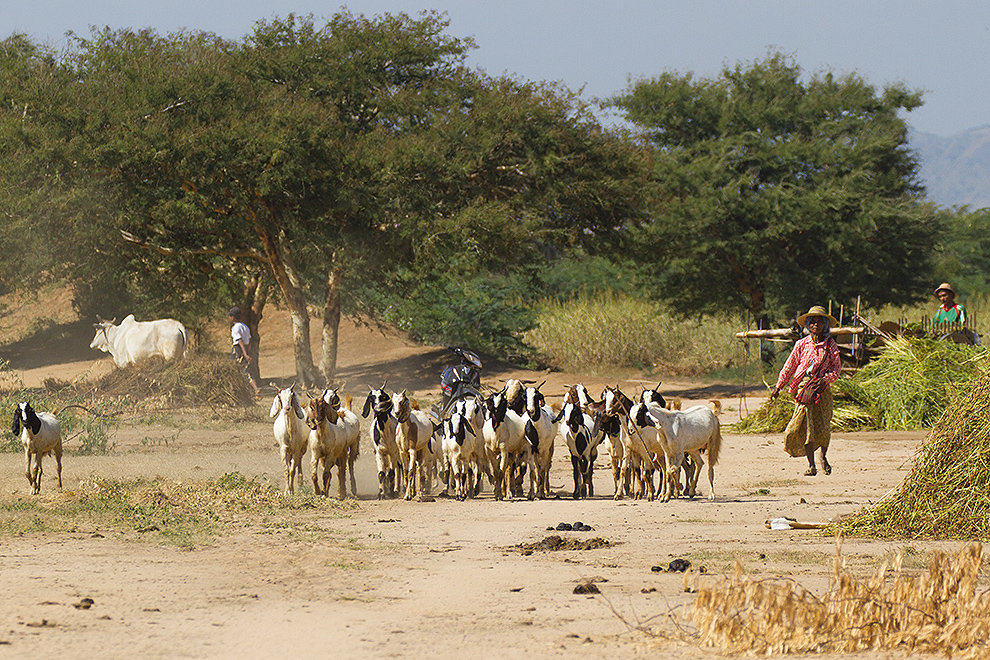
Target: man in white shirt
[240, 334]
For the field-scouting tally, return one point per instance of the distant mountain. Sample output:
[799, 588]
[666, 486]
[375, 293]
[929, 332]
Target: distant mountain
[956, 169]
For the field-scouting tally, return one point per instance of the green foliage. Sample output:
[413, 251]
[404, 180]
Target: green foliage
[597, 333]
[964, 252]
[487, 314]
[779, 193]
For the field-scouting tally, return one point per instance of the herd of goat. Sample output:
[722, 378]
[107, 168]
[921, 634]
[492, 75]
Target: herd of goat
[501, 437]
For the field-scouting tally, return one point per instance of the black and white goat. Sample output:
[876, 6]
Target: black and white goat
[41, 434]
[504, 432]
[541, 431]
[581, 433]
[382, 431]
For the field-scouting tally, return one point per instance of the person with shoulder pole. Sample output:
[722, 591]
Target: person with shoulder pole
[810, 370]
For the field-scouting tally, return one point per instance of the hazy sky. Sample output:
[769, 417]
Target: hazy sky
[942, 48]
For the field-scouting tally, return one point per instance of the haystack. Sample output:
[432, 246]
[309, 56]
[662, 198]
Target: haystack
[947, 494]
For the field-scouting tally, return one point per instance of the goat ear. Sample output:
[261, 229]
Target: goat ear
[276, 406]
[467, 425]
[15, 428]
[34, 421]
[367, 406]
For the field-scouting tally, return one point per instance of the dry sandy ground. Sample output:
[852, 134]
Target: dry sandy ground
[424, 578]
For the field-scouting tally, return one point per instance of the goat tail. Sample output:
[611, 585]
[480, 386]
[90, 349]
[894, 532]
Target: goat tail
[716, 406]
[715, 443]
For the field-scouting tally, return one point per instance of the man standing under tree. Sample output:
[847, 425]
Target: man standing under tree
[241, 336]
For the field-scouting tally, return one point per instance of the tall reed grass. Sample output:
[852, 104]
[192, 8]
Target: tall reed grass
[596, 333]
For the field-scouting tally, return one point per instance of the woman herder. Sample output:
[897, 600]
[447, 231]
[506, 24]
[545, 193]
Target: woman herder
[815, 362]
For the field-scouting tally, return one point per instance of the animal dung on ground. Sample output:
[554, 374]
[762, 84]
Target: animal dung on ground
[84, 604]
[587, 588]
[675, 566]
[555, 542]
[569, 527]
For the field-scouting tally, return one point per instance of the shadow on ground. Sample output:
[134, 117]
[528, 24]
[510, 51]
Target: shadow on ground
[52, 344]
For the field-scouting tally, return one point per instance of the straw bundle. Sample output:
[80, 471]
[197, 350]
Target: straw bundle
[947, 494]
[935, 612]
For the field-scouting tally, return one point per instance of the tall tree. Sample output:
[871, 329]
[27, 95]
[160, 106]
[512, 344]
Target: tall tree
[780, 192]
[254, 150]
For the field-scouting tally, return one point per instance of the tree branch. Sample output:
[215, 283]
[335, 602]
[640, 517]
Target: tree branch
[245, 252]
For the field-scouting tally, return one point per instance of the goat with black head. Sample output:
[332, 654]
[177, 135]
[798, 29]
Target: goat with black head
[40, 434]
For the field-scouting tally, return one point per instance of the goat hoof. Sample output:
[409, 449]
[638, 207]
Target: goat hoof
[827, 469]
[811, 472]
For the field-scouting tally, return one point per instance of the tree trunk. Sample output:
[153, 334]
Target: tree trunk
[253, 306]
[331, 325]
[288, 280]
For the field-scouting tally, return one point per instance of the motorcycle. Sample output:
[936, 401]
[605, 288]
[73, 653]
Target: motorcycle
[460, 381]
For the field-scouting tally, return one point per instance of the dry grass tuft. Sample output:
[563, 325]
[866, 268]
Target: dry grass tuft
[938, 611]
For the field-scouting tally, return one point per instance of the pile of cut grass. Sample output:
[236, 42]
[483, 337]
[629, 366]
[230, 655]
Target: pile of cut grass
[937, 612]
[907, 387]
[772, 416]
[201, 380]
[947, 494]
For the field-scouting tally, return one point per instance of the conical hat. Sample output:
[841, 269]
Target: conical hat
[818, 310]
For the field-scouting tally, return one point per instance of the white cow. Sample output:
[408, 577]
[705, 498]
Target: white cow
[133, 341]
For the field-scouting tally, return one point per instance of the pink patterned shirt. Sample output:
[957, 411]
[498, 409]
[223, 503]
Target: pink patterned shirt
[807, 354]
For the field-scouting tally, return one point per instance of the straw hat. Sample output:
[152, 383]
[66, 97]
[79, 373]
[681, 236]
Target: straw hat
[817, 310]
[945, 286]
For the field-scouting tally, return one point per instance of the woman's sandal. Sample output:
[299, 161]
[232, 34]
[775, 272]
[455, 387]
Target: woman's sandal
[811, 472]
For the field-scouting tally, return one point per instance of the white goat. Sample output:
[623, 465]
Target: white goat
[581, 433]
[687, 432]
[350, 426]
[382, 431]
[328, 446]
[40, 434]
[290, 433]
[644, 451]
[540, 431]
[414, 435]
[505, 439]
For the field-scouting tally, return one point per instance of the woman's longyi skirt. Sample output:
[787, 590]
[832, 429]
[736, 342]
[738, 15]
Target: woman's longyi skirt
[811, 423]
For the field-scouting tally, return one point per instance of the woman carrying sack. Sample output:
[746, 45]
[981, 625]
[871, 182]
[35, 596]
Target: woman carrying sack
[810, 369]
